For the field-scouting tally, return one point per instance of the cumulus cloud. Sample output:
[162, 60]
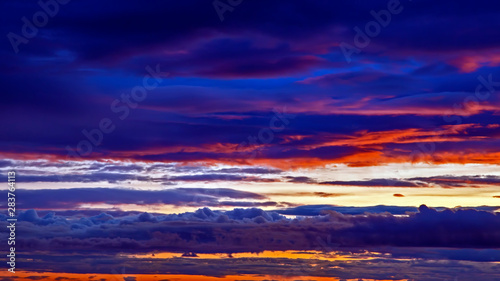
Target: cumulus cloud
[315, 210]
[254, 230]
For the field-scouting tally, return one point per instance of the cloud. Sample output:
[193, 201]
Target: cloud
[84, 178]
[225, 80]
[93, 171]
[73, 198]
[446, 181]
[377, 183]
[305, 193]
[300, 179]
[220, 177]
[449, 181]
[250, 171]
[255, 230]
[315, 210]
[347, 263]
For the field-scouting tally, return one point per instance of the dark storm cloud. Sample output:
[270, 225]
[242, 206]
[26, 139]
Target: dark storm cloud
[118, 177]
[132, 26]
[225, 78]
[315, 210]
[255, 230]
[74, 197]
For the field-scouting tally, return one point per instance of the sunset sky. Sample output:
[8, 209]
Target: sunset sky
[182, 127]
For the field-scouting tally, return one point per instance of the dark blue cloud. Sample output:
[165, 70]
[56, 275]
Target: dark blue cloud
[316, 210]
[70, 199]
[202, 231]
[225, 78]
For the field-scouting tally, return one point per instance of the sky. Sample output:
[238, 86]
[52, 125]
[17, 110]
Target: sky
[129, 124]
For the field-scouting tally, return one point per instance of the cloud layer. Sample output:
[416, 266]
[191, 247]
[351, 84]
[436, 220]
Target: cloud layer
[255, 230]
[225, 79]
